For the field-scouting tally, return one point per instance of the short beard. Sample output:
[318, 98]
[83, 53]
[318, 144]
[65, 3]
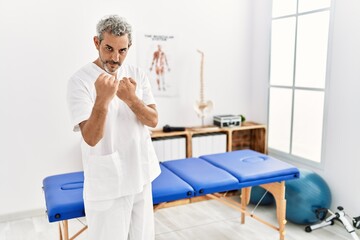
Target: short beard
[106, 68]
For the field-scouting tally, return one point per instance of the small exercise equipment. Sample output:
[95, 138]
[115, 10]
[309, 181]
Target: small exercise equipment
[340, 216]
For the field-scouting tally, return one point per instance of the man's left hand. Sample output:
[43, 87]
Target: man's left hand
[126, 90]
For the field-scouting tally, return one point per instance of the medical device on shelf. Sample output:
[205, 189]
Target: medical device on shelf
[227, 120]
[339, 216]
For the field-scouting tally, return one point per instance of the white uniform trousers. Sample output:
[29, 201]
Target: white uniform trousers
[125, 218]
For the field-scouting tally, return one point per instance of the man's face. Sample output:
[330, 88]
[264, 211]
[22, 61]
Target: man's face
[112, 51]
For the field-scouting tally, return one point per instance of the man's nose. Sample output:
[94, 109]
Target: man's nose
[115, 56]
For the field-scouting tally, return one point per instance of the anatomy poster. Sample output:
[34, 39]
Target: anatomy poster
[155, 54]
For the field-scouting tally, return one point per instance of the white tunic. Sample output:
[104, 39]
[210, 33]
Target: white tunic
[124, 160]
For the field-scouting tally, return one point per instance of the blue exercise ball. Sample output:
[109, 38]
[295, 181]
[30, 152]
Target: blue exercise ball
[257, 193]
[304, 195]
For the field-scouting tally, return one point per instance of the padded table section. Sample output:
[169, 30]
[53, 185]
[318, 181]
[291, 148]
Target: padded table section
[169, 187]
[204, 177]
[252, 168]
[64, 196]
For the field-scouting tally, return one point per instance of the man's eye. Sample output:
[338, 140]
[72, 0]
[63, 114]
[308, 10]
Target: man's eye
[123, 50]
[108, 48]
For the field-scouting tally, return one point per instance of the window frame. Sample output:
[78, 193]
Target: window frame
[289, 157]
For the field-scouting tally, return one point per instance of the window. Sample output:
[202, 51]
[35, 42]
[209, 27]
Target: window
[297, 80]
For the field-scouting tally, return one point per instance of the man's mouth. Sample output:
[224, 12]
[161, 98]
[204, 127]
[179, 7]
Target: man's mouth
[112, 63]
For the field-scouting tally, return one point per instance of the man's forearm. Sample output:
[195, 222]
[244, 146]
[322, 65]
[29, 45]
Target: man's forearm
[146, 114]
[92, 129]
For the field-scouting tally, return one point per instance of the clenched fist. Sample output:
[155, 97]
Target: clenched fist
[106, 87]
[126, 90]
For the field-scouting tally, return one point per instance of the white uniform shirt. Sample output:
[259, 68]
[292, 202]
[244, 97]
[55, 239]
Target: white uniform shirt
[124, 160]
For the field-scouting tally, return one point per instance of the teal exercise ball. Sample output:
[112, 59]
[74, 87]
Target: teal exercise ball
[304, 195]
[257, 194]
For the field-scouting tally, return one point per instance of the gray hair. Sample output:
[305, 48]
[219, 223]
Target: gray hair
[115, 25]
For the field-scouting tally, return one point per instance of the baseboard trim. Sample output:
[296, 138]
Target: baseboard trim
[22, 215]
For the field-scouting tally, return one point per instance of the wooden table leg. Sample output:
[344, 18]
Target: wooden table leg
[245, 199]
[278, 191]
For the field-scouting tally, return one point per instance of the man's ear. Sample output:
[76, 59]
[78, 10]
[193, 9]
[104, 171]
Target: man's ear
[97, 42]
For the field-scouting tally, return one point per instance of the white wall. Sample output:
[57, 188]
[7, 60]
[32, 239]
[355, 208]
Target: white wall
[260, 56]
[342, 160]
[44, 42]
[341, 156]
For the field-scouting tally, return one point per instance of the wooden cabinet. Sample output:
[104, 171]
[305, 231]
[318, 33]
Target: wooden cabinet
[249, 135]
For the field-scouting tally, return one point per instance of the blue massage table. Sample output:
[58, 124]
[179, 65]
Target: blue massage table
[211, 176]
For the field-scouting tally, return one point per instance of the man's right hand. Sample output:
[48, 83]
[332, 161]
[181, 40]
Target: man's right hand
[106, 87]
[92, 129]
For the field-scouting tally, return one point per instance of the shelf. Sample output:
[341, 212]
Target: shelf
[249, 135]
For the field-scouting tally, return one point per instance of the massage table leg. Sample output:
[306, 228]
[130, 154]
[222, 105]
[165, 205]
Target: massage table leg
[64, 230]
[278, 191]
[245, 199]
[60, 233]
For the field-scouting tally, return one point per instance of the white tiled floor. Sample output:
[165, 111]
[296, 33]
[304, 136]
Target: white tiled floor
[210, 220]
